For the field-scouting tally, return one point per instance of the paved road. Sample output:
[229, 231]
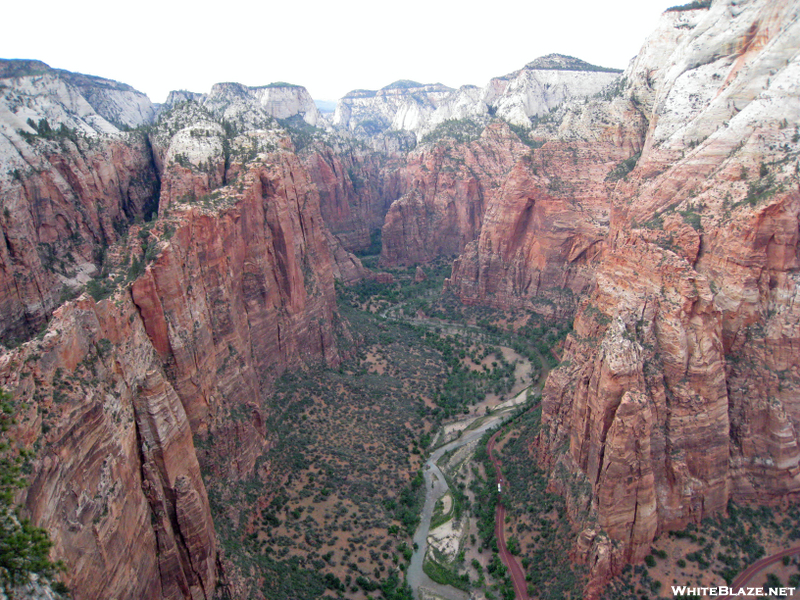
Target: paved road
[745, 576]
[516, 572]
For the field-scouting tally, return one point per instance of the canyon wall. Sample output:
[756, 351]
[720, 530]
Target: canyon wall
[678, 387]
[235, 102]
[356, 188]
[548, 222]
[71, 183]
[662, 212]
[114, 478]
[195, 314]
[449, 187]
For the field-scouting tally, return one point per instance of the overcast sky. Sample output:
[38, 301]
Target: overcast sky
[329, 47]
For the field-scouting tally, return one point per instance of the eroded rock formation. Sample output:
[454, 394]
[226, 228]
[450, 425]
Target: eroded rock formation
[449, 187]
[662, 212]
[231, 285]
[70, 184]
[115, 478]
[685, 341]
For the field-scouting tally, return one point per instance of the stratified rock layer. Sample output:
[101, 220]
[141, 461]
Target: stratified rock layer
[356, 188]
[678, 385]
[117, 483]
[450, 185]
[547, 223]
[232, 285]
[242, 292]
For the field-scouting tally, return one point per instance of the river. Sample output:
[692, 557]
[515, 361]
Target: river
[436, 487]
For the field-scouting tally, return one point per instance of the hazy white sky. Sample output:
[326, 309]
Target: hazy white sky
[329, 47]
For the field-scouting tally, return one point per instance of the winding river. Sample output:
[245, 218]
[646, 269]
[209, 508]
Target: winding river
[436, 487]
[435, 481]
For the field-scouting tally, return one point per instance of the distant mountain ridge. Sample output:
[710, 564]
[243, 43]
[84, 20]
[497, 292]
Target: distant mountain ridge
[404, 107]
[117, 103]
[532, 91]
[562, 62]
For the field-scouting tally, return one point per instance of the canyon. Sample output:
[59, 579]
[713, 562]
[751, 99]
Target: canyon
[163, 267]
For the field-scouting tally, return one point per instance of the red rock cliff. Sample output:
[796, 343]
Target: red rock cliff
[545, 226]
[677, 388]
[356, 189]
[449, 188]
[239, 287]
[115, 479]
[63, 204]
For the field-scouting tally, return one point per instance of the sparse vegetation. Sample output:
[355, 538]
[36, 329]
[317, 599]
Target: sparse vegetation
[623, 168]
[461, 131]
[713, 552]
[697, 4]
[541, 529]
[45, 131]
[24, 548]
[524, 136]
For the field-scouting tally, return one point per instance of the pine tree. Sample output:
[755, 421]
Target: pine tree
[24, 548]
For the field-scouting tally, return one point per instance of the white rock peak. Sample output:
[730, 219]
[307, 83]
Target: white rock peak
[532, 91]
[241, 103]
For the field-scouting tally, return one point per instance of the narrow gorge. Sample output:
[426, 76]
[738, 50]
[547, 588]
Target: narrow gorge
[234, 327]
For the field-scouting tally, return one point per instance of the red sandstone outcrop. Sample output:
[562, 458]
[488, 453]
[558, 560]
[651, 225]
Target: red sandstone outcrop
[449, 188]
[238, 289]
[678, 384]
[643, 402]
[243, 290]
[115, 479]
[70, 183]
[63, 204]
[356, 189]
[547, 223]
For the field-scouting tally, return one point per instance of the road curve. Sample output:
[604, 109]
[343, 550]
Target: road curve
[745, 576]
[516, 572]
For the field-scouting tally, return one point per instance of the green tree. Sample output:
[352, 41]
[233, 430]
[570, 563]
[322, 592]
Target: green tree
[24, 548]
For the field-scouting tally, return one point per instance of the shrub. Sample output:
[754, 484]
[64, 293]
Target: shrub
[697, 4]
[24, 548]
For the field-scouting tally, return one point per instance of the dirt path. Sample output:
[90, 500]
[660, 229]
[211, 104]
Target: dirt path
[516, 572]
[751, 571]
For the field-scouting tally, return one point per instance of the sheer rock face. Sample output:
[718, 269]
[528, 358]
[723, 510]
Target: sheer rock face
[90, 103]
[70, 181]
[117, 389]
[356, 189]
[545, 226]
[116, 483]
[370, 112]
[249, 287]
[542, 85]
[63, 203]
[449, 187]
[643, 403]
[238, 289]
[680, 381]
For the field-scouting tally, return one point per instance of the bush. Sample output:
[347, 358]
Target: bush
[24, 548]
[623, 168]
[691, 6]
